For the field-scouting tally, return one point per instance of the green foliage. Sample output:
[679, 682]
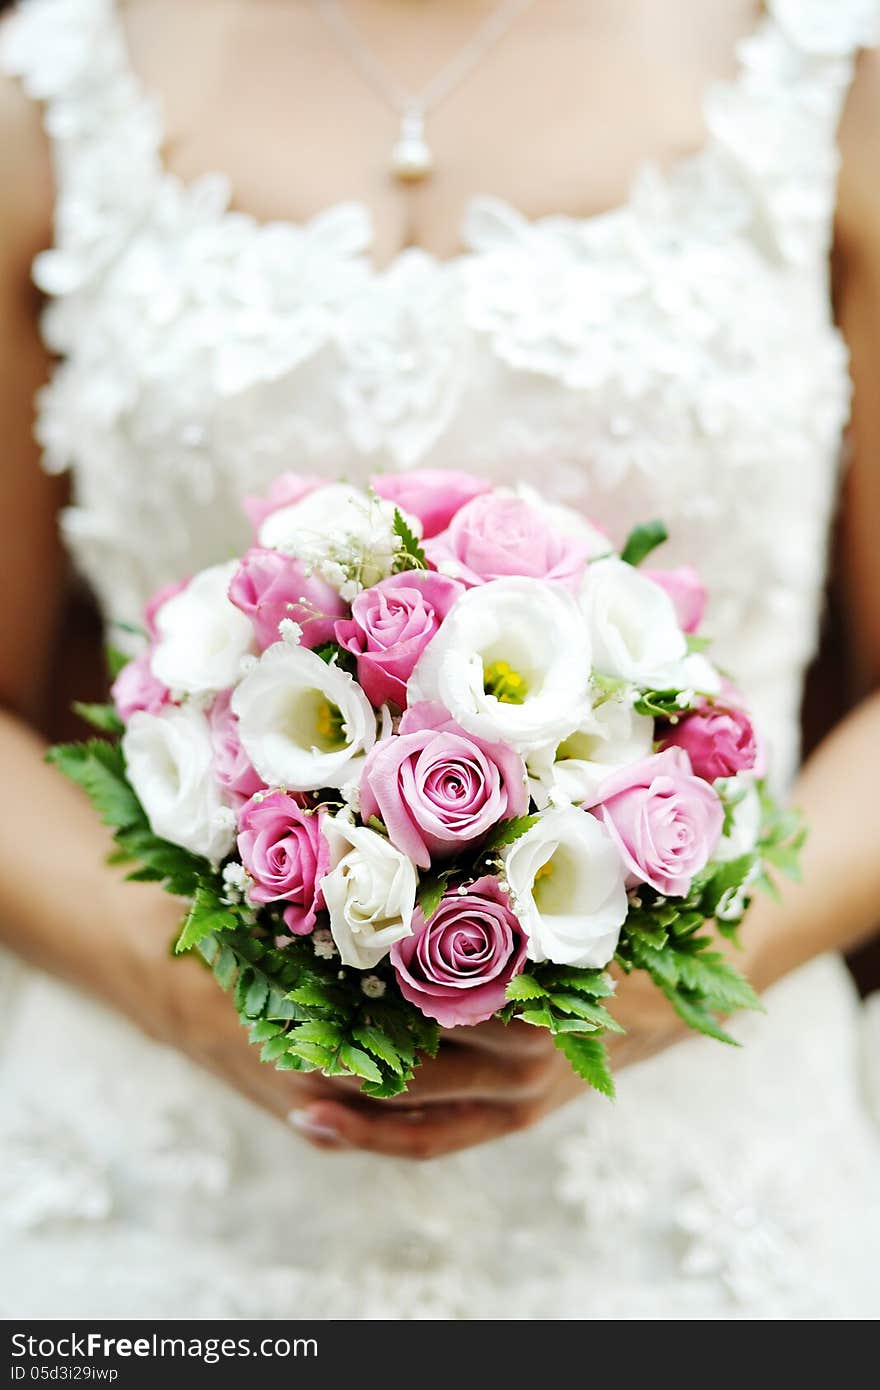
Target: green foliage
[507, 831]
[103, 717]
[589, 1058]
[308, 1013]
[430, 892]
[115, 661]
[642, 540]
[99, 768]
[411, 556]
[333, 654]
[661, 704]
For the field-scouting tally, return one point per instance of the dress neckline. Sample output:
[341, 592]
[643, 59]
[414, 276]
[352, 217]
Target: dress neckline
[358, 214]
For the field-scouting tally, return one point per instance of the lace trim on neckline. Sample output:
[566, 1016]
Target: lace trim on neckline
[73, 55]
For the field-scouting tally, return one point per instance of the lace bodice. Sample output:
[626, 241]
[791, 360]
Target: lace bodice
[674, 357]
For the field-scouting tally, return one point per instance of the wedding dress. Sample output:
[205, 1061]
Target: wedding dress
[674, 357]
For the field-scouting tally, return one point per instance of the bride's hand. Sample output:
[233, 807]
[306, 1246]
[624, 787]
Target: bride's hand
[486, 1082]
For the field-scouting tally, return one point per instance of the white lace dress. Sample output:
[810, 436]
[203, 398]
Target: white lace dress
[675, 357]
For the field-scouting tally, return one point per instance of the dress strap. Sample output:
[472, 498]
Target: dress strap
[106, 134]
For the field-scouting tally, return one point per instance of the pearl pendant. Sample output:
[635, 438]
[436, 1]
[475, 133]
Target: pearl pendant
[411, 158]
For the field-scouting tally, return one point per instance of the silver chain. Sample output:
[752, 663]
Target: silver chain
[377, 76]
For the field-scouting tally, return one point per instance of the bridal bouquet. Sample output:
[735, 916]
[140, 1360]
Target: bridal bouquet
[432, 753]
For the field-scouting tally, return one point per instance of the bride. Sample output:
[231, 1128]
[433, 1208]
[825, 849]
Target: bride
[580, 243]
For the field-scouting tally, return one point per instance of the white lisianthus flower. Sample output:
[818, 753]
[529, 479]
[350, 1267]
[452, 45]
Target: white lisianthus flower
[202, 637]
[565, 520]
[567, 883]
[745, 829]
[344, 533]
[370, 892]
[303, 723]
[169, 757]
[511, 663]
[611, 736]
[632, 624]
[696, 674]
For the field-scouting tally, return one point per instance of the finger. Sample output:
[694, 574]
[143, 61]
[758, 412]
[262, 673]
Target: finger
[419, 1135]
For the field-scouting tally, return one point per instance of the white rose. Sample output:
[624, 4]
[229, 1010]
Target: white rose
[370, 893]
[565, 520]
[633, 625]
[343, 532]
[303, 723]
[169, 757]
[567, 882]
[745, 828]
[611, 737]
[202, 636]
[511, 663]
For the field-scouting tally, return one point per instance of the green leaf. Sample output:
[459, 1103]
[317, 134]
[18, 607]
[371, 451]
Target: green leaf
[263, 1030]
[659, 704]
[698, 644]
[225, 966]
[359, 1063]
[785, 858]
[115, 660]
[525, 987]
[207, 916]
[99, 768]
[318, 994]
[710, 976]
[429, 893]
[589, 1058]
[274, 1048]
[256, 996]
[311, 1052]
[642, 540]
[324, 1032]
[728, 878]
[593, 983]
[509, 831]
[412, 554]
[392, 1085]
[697, 1017]
[538, 1018]
[103, 717]
[595, 1014]
[377, 1042]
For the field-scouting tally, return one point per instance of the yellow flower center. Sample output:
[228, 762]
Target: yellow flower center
[507, 685]
[545, 871]
[329, 725]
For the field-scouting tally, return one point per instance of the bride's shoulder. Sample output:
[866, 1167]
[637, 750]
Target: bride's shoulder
[25, 173]
[858, 218]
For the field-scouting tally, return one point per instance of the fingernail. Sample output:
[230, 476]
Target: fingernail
[305, 1123]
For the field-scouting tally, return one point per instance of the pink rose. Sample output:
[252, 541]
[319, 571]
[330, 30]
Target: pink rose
[665, 821]
[286, 855]
[136, 688]
[286, 489]
[496, 536]
[390, 626]
[433, 495]
[685, 588]
[457, 966]
[719, 740]
[160, 597]
[232, 767]
[437, 788]
[269, 586]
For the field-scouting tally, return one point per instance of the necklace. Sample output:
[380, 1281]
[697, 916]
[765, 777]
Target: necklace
[412, 158]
